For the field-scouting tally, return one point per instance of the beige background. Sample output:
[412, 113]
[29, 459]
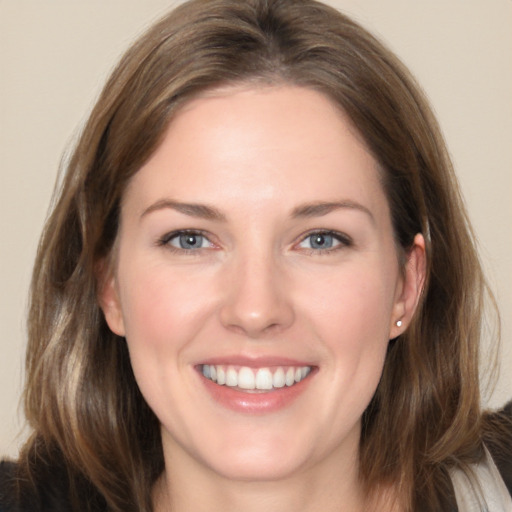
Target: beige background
[55, 55]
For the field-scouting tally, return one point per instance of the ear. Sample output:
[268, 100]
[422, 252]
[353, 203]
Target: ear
[410, 289]
[109, 299]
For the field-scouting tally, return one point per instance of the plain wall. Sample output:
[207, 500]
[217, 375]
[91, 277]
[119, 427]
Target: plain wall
[55, 55]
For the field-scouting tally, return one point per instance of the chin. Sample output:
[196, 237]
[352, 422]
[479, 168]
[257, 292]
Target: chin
[245, 467]
[259, 457]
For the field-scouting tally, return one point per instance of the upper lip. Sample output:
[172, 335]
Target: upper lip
[254, 362]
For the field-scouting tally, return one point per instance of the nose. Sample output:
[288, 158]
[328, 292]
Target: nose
[257, 298]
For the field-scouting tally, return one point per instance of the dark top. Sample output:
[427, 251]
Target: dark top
[51, 492]
[50, 495]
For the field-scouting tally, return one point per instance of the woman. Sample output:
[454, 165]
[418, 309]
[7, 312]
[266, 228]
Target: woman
[258, 286]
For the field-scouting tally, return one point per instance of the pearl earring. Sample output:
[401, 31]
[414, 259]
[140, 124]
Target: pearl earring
[399, 323]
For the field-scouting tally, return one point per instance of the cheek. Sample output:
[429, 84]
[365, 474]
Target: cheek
[354, 327]
[162, 306]
[352, 320]
[163, 310]
[352, 306]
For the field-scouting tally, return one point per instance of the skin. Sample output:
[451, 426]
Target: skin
[256, 286]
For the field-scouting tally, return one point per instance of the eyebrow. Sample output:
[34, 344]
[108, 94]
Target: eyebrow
[200, 211]
[308, 210]
[318, 209]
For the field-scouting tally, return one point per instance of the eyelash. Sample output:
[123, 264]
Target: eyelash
[343, 241]
[167, 238]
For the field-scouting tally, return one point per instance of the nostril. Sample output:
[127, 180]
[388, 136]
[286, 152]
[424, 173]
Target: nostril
[255, 300]
[256, 324]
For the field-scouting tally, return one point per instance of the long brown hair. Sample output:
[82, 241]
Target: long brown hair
[81, 398]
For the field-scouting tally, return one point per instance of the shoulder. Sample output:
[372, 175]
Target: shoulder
[43, 480]
[46, 485]
[8, 487]
[498, 440]
[19, 494]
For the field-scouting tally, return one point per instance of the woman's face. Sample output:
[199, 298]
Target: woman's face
[257, 283]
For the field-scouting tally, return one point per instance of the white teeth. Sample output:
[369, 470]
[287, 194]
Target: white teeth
[290, 377]
[221, 375]
[251, 379]
[231, 377]
[246, 378]
[263, 379]
[278, 380]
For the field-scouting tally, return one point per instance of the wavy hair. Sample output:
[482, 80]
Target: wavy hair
[81, 398]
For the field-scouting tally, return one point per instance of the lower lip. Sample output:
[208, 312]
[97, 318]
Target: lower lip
[256, 402]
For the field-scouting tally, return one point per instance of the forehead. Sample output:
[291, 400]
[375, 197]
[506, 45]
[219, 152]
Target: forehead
[258, 144]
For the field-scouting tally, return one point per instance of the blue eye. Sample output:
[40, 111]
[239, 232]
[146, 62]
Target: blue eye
[324, 240]
[186, 240]
[321, 241]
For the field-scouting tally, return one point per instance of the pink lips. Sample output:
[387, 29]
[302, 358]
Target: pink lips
[255, 401]
[254, 362]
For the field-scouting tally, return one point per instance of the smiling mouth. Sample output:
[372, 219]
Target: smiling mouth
[248, 379]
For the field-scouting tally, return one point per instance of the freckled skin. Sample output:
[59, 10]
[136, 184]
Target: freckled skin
[255, 285]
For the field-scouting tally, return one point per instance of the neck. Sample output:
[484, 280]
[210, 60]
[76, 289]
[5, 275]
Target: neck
[332, 486]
